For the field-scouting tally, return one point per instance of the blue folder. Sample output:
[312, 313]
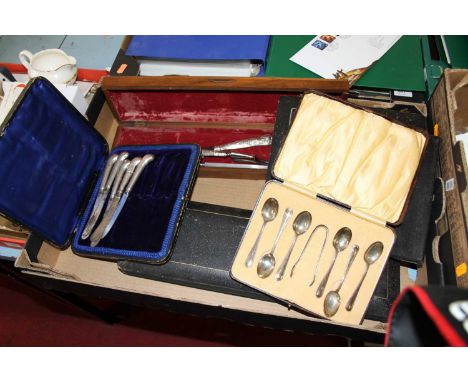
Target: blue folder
[201, 48]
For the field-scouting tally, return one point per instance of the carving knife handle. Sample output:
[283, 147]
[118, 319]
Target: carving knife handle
[118, 178]
[110, 163]
[141, 166]
[115, 169]
[213, 153]
[128, 174]
[264, 140]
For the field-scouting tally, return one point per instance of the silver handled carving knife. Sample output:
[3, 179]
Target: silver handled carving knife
[106, 184]
[245, 143]
[112, 204]
[123, 197]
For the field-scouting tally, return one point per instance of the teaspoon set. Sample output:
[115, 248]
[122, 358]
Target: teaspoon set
[301, 224]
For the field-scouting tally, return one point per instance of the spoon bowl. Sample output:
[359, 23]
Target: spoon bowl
[266, 265]
[373, 253]
[342, 239]
[332, 303]
[270, 210]
[300, 225]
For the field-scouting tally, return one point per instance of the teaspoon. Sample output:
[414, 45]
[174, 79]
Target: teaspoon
[269, 212]
[301, 225]
[267, 263]
[371, 255]
[340, 242]
[332, 299]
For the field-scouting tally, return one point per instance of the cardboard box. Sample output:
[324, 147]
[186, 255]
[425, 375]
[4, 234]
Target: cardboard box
[448, 110]
[55, 266]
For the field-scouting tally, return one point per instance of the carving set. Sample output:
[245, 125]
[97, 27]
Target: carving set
[119, 178]
[342, 242]
[225, 150]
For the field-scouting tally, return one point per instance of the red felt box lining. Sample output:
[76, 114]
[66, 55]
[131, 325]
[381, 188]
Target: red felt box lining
[206, 118]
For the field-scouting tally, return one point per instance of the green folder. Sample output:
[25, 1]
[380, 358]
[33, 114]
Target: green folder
[457, 47]
[401, 68]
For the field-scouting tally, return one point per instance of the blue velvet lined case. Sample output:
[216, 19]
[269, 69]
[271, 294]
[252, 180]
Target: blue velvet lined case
[147, 225]
[51, 158]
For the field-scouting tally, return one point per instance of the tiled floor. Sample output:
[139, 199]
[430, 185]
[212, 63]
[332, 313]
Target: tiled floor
[91, 52]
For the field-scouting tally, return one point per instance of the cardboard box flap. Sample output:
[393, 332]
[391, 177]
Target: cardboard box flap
[352, 156]
[50, 158]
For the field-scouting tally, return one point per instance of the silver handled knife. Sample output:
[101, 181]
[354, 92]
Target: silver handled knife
[106, 184]
[112, 204]
[123, 197]
[113, 175]
[264, 140]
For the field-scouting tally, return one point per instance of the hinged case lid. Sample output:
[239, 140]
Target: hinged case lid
[351, 155]
[50, 158]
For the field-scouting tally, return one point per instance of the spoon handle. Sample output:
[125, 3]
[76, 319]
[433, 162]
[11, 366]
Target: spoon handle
[251, 257]
[280, 273]
[351, 258]
[350, 303]
[324, 282]
[287, 215]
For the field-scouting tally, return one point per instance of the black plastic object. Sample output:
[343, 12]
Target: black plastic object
[429, 316]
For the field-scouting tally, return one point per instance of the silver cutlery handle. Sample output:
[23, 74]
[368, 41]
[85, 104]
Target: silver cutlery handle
[213, 153]
[245, 143]
[115, 169]
[128, 174]
[110, 163]
[98, 203]
[139, 169]
[118, 178]
[280, 273]
[352, 256]
[352, 299]
[324, 282]
[251, 256]
[287, 215]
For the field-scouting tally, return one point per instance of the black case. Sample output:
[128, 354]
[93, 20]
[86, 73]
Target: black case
[206, 264]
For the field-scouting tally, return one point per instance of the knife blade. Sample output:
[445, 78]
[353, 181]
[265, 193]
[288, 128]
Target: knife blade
[136, 174]
[235, 156]
[112, 205]
[106, 183]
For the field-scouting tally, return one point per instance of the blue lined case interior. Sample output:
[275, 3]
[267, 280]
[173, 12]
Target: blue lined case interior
[147, 224]
[50, 156]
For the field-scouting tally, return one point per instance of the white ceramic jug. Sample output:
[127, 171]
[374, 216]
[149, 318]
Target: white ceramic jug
[53, 64]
